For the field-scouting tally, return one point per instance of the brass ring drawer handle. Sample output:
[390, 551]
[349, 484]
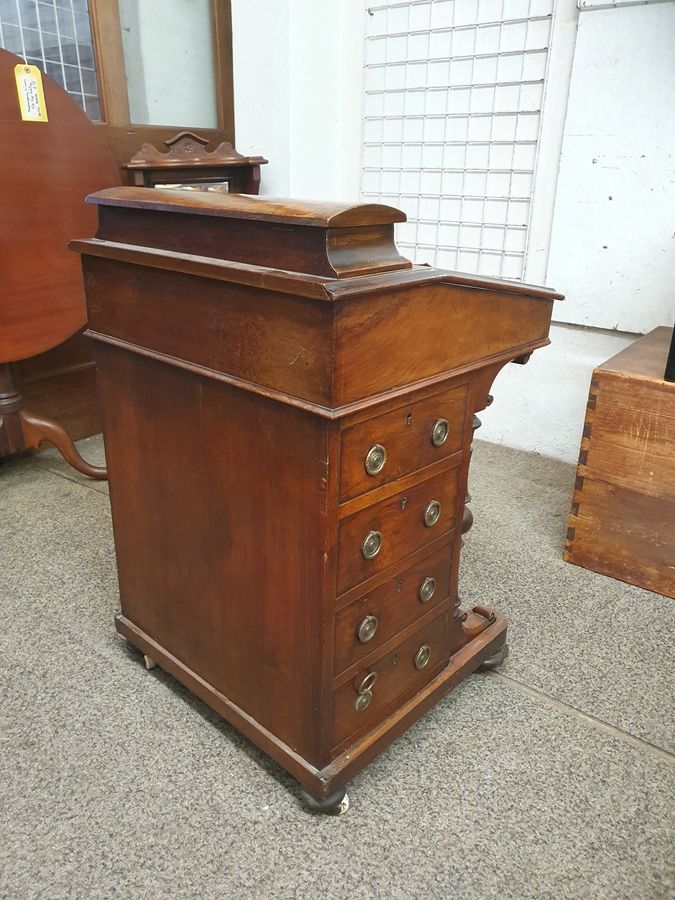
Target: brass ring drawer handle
[422, 656]
[368, 682]
[427, 588]
[432, 513]
[439, 432]
[366, 630]
[376, 457]
[372, 544]
[363, 700]
[365, 692]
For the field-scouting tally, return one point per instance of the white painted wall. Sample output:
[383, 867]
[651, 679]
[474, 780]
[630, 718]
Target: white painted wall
[298, 94]
[612, 245]
[608, 90]
[262, 101]
[541, 406]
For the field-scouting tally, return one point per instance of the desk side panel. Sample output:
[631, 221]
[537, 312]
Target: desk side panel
[275, 340]
[219, 507]
[408, 335]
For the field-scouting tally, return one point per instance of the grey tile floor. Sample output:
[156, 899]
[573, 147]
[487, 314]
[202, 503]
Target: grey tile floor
[550, 778]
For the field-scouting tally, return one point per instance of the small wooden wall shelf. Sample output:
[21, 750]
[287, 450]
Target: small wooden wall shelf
[622, 522]
[186, 161]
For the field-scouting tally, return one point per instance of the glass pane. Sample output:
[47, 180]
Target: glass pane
[168, 56]
[54, 35]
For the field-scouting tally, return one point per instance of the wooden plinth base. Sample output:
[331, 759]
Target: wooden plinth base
[323, 783]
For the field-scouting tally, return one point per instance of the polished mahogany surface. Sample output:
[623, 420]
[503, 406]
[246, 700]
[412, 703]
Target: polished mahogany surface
[48, 170]
[288, 454]
[316, 213]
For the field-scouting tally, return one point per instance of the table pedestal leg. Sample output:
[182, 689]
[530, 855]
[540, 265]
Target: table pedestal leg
[21, 430]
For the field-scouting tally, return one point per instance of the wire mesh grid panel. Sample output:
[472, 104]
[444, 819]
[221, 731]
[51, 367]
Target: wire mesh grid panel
[54, 35]
[453, 101]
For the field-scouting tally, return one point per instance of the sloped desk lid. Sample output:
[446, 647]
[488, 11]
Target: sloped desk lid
[326, 251]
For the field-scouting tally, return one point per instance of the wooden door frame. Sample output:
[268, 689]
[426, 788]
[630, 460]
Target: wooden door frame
[125, 137]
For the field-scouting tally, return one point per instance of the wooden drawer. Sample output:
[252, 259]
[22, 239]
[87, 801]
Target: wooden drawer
[398, 523]
[407, 437]
[395, 674]
[391, 607]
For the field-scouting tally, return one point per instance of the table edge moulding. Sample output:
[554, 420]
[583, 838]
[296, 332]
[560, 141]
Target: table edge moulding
[49, 166]
[289, 407]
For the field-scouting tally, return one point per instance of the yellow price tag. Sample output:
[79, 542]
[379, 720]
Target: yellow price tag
[31, 93]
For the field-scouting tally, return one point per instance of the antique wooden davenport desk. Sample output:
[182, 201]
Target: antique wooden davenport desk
[288, 415]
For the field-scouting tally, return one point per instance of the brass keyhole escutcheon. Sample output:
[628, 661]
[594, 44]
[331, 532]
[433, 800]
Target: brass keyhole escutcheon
[372, 544]
[422, 656]
[439, 432]
[367, 628]
[432, 513]
[427, 588]
[376, 457]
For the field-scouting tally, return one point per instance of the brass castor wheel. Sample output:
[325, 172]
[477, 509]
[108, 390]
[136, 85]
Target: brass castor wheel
[133, 649]
[335, 805]
[497, 658]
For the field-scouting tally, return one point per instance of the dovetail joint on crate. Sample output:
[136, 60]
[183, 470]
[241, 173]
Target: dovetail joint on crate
[588, 428]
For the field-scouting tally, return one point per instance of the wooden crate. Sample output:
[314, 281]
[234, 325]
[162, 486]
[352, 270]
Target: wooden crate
[622, 521]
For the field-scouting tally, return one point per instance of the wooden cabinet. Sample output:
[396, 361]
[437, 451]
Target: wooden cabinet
[288, 410]
[622, 521]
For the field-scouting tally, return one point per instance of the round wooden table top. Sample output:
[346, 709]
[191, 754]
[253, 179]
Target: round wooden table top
[46, 171]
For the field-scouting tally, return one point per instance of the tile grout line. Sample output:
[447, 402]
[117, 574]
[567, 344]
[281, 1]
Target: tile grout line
[83, 484]
[594, 721]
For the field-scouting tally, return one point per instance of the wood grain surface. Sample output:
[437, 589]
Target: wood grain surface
[396, 604]
[622, 521]
[313, 213]
[405, 434]
[48, 170]
[239, 407]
